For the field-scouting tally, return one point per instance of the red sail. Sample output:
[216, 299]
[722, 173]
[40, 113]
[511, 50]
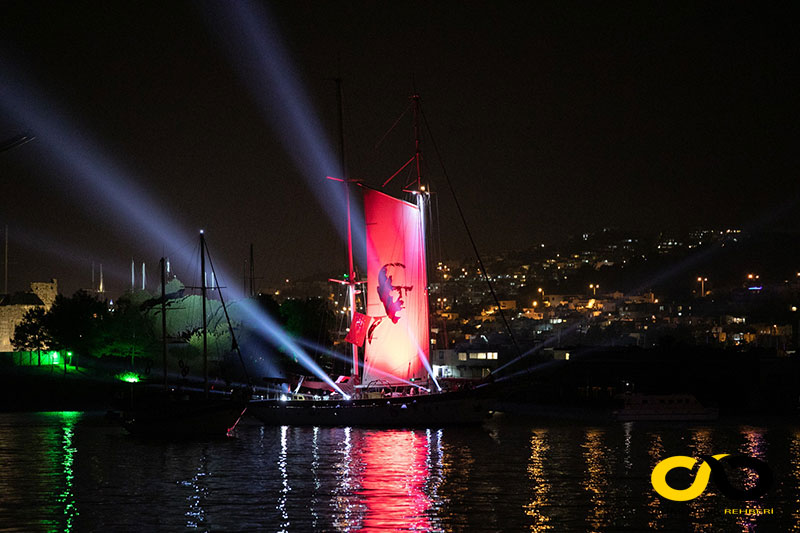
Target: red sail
[397, 290]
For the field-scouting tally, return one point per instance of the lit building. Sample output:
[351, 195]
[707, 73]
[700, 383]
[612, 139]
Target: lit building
[470, 363]
[14, 306]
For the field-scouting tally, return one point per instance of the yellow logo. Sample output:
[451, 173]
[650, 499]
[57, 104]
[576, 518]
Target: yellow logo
[659, 477]
[711, 468]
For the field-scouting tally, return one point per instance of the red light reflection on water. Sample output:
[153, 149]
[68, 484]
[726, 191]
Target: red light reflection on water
[395, 473]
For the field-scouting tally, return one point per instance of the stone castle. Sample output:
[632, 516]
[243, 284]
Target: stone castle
[14, 306]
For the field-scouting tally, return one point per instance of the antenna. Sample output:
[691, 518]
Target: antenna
[102, 288]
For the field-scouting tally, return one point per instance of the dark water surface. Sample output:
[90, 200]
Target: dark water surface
[74, 471]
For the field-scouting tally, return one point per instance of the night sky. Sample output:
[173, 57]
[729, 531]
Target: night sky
[551, 119]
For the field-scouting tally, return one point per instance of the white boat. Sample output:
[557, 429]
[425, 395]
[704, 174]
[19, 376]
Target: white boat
[666, 407]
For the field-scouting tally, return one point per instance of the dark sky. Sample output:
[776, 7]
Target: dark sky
[551, 118]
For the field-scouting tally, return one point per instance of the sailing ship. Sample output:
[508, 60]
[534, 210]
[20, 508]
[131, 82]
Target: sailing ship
[175, 412]
[395, 386]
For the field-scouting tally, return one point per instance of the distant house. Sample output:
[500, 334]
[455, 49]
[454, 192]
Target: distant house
[463, 363]
[14, 306]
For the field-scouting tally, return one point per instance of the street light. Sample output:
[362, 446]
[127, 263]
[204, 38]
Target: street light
[702, 281]
[594, 288]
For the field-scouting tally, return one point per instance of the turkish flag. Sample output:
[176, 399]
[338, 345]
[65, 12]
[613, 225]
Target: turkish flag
[358, 329]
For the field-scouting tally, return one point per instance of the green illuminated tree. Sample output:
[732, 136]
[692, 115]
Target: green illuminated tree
[30, 334]
[128, 331]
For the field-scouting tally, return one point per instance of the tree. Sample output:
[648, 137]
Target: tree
[307, 318]
[129, 332]
[30, 334]
[76, 323]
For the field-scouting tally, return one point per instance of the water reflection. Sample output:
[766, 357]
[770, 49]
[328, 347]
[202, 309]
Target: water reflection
[435, 465]
[285, 488]
[196, 514]
[655, 453]
[68, 450]
[336, 479]
[347, 508]
[794, 458]
[628, 461]
[596, 481]
[38, 472]
[315, 464]
[702, 507]
[393, 481]
[540, 487]
[754, 445]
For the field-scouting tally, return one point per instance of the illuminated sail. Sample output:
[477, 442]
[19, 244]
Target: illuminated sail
[397, 290]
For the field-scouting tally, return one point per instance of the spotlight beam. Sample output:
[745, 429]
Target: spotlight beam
[347, 359]
[257, 54]
[94, 175]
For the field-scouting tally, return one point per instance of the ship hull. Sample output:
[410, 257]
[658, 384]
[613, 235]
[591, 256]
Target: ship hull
[435, 410]
[194, 417]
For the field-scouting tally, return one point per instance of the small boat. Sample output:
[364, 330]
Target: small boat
[170, 412]
[666, 407]
[393, 330]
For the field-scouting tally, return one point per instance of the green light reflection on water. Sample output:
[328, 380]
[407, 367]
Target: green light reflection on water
[67, 452]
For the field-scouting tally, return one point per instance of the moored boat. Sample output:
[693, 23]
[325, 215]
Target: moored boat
[666, 407]
[394, 328]
[170, 412]
[185, 416]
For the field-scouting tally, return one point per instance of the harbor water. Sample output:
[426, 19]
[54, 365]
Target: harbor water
[73, 471]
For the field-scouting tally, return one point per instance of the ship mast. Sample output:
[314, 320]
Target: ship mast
[351, 274]
[417, 144]
[352, 284]
[163, 318]
[205, 326]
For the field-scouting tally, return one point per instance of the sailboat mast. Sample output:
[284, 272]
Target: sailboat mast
[351, 274]
[417, 143]
[164, 318]
[5, 263]
[351, 278]
[203, 292]
[252, 273]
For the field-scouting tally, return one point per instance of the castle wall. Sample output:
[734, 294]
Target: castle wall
[46, 291]
[11, 315]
